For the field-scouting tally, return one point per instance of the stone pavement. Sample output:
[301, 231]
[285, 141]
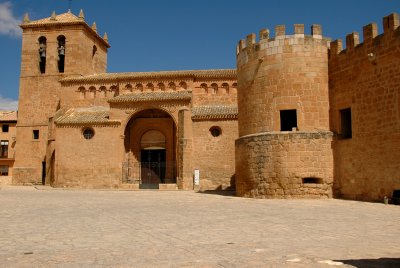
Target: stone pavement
[88, 228]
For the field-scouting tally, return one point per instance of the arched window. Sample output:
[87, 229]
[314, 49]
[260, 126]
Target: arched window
[150, 87]
[128, 88]
[204, 87]
[139, 87]
[102, 92]
[172, 86]
[82, 92]
[92, 92]
[225, 86]
[234, 85]
[183, 85]
[161, 86]
[153, 139]
[214, 88]
[114, 91]
[61, 53]
[42, 54]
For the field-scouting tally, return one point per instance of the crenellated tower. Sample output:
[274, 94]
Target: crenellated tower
[284, 149]
[52, 48]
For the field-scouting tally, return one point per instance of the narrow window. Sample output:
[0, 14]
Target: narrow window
[42, 54]
[288, 120]
[214, 88]
[35, 134]
[5, 128]
[204, 87]
[94, 51]
[61, 53]
[3, 170]
[312, 180]
[345, 124]
[161, 86]
[226, 87]
[4, 149]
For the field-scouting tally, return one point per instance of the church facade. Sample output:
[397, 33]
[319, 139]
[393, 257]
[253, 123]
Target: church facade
[299, 117]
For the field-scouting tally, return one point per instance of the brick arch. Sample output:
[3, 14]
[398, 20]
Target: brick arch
[138, 125]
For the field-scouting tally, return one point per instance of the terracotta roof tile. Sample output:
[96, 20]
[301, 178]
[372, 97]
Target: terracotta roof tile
[205, 74]
[152, 96]
[8, 115]
[85, 116]
[214, 112]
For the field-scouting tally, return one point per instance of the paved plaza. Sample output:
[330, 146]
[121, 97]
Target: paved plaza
[44, 227]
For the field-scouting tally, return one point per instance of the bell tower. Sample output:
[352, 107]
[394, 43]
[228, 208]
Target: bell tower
[52, 48]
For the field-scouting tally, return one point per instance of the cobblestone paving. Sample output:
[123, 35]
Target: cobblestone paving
[78, 228]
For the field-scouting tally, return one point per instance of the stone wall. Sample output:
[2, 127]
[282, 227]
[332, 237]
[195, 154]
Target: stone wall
[285, 165]
[215, 156]
[365, 77]
[88, 163]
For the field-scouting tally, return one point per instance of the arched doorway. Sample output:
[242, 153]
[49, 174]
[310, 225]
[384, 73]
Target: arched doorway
[150, 149]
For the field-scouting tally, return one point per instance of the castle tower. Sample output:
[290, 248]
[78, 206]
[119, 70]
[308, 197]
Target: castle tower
[284, 149]
[52, 48]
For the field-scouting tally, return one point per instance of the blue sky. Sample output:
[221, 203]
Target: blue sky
[152, 35]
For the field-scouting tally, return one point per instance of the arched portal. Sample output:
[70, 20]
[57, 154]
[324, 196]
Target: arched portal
[150, 149]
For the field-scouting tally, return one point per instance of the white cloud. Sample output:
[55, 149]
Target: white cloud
[8, 104]
[8, 22]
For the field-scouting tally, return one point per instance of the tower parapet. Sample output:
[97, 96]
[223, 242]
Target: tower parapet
[283, 104]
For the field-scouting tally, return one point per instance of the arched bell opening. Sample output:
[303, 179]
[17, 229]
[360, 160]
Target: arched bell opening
[150, 149]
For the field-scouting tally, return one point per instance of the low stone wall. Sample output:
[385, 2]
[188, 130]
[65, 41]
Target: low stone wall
[285, 165]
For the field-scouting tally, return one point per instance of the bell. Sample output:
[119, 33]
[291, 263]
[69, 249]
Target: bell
[43, 54]
[61, 51]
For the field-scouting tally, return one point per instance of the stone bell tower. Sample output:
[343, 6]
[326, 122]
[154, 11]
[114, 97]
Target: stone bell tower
[52, 48]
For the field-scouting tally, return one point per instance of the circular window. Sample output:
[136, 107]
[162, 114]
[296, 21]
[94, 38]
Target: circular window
[88, 133]
[215, 131]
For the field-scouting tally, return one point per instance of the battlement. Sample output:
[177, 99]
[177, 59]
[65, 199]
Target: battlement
[370, 32]
[265, 41]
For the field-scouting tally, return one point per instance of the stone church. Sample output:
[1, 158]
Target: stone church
[299, 117]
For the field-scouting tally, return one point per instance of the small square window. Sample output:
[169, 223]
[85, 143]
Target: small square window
[288, 120]
[5, 128]
[345, 124]
[36, 134]
[3, 170]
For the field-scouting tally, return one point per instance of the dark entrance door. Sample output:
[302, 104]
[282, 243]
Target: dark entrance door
[153, 167]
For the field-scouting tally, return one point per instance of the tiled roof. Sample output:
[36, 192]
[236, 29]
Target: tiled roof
[86, 116]
[214, 112]
[62, 19]
[204, 74]
[152, 96]
[8, 115]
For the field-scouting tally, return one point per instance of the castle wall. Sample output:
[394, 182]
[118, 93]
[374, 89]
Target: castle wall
[365, 77]
[88, 163]
[276, 164]
[288, 73]
[215, 156]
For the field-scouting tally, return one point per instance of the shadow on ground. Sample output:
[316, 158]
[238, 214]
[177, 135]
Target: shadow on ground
[374, 263]
[218, 192]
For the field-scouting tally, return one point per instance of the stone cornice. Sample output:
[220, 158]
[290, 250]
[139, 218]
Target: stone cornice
[220, 74]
